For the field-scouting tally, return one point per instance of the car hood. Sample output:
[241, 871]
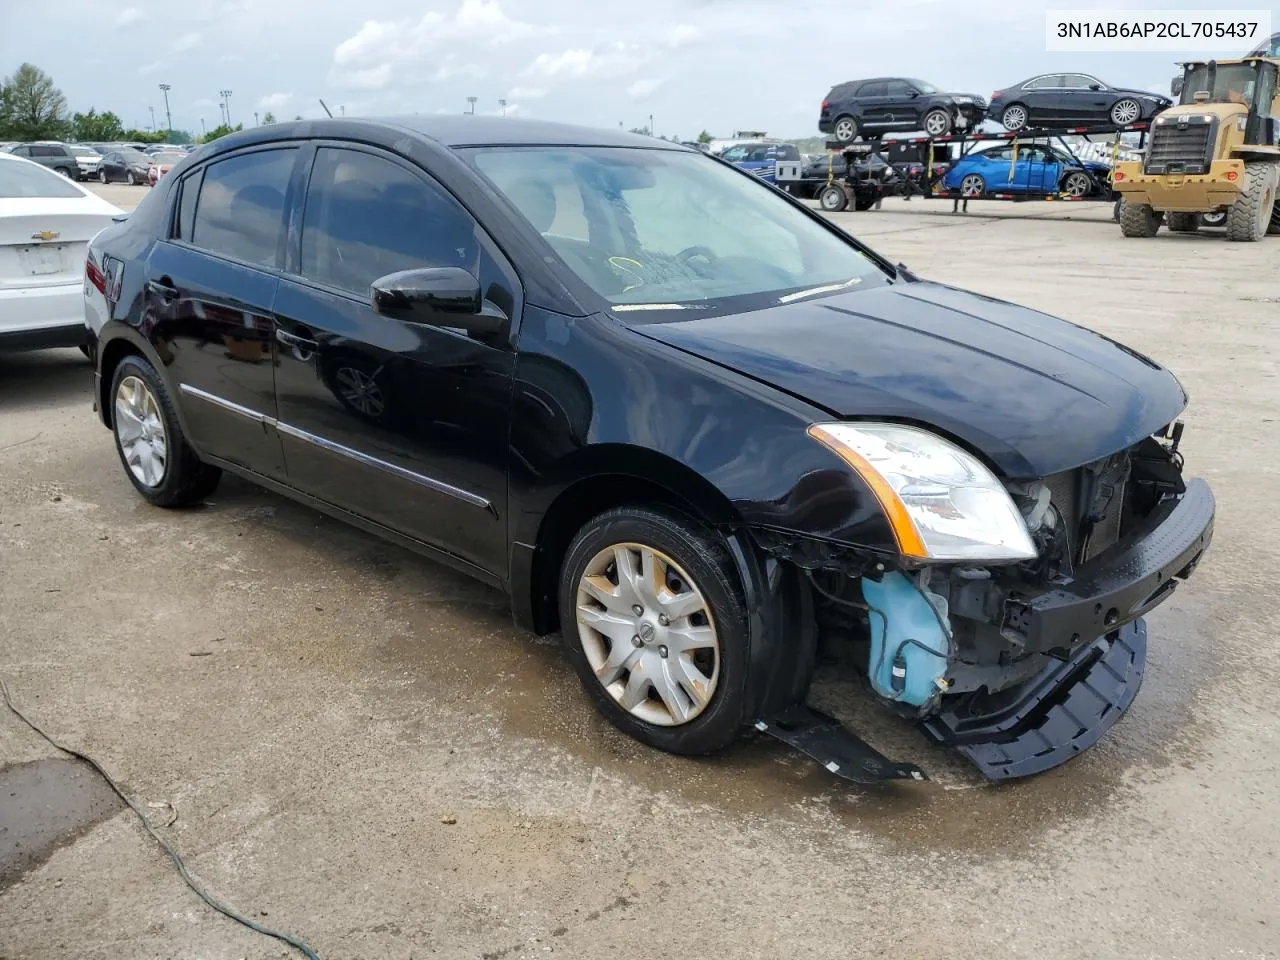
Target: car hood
[1035, 394]
[1141, 93]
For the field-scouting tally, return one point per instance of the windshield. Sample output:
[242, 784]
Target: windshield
[1232, 83]
[927, 88]
[658, 230]
[135, 156]
[170, 158]
[84, 151]
[27, 180]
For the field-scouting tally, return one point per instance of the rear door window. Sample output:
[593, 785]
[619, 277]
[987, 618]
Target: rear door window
[366, 217]
[873, 90]
[26, 180]
[240, 209]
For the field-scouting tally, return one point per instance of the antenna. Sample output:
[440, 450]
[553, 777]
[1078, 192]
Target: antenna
[326, 109]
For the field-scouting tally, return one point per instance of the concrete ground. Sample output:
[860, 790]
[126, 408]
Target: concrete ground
[356, 746]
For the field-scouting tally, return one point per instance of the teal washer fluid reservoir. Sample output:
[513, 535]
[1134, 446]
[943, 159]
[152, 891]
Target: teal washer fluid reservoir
[909, 648]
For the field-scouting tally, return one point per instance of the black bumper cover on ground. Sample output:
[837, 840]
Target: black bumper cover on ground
[1074, 700]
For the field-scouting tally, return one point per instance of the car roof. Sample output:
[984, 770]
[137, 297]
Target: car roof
[479, 131]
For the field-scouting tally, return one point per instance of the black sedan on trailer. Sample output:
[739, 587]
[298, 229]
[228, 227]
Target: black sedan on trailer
[675, 415]
[1072, 100]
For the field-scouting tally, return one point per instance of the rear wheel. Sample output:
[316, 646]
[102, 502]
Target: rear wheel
[1077, 184]
[1250, 217]
[155, 453]
[1014, 116]
[1183, 222]
[655, 625]
[67, 172]
[832, 198]
[102, 177]
[1139, 219]
[1274, 227]
[845, 129]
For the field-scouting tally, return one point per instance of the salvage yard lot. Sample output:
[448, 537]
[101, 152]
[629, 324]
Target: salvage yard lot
[362, 750]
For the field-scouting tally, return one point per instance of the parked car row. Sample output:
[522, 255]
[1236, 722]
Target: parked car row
[871, 108]
[106, 162]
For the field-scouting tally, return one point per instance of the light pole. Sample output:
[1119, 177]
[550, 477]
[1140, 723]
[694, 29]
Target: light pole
[255, 118]
[472, 102]
[203, 131]
[652, 132]
[226, 105]
[153, 118]
[168, 117]
[502, 106]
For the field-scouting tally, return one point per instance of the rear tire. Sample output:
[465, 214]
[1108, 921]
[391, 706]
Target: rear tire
[102, 177]
[180, 478]
[641, 676]
[1015, 116]
[1139, 220]
[130, 179]
[832, 198]
[1250, 217]
[1183, 222]
[972, 186]
[845, 129]
[1274, 228]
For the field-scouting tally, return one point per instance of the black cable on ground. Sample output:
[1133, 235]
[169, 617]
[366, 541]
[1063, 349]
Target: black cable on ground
[208, 898]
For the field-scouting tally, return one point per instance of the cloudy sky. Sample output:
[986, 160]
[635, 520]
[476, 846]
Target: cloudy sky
[691, 64]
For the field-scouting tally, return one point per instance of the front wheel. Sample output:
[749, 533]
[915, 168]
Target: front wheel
[102, 177]
[1250, 217]
[655, 624]
[1139, 219]
[833, 198]
[130, 179]
[1077, 184]
[149, 438]
[1125, 112]
[937, 123]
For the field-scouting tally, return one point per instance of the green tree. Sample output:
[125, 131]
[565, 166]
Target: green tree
[705, 137]
[268, 117]
[96, 126]
[143, 136]
[31, 107]
[220, 131]
[643, 131]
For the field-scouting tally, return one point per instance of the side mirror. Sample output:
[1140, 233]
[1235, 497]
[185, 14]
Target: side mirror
[439, 296]
[1095, 86]
[1176, 87]
[914, 94]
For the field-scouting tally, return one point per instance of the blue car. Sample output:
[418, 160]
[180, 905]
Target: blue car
[761, 158]
[1036, 168]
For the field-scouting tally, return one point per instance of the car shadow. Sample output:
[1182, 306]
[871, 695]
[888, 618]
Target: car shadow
[38, 378]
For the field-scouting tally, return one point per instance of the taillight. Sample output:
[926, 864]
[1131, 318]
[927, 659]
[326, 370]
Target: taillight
[94, 275]
[997, 95]
[826, 105]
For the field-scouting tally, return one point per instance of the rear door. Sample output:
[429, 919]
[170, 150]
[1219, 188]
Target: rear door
[402, 423]
[209, 293]
[874, 103]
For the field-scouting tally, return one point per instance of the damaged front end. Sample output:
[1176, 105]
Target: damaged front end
[1020, 663]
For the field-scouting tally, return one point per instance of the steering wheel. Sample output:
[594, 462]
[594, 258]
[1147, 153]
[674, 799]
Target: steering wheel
[688, 253]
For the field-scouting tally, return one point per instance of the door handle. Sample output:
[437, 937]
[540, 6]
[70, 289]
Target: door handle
[162, 289]
[300, 343]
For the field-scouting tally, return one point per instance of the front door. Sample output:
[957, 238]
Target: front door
[209, 293]
[401, 423]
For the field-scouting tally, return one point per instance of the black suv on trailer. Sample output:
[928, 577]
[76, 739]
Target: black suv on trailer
[675, 415]
[869, 108]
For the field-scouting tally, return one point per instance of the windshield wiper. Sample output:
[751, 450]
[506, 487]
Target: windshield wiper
[825, 288]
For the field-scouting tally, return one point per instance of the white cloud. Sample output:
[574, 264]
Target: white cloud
[151, 67]
[527, 93]
[644, 87]
[383, 47]
[127, 16]
[682, 35]
[613, 60]
[275, 101]
[186, 42]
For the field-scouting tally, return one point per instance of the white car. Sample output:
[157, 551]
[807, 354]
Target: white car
[46, 223]
[87, 159]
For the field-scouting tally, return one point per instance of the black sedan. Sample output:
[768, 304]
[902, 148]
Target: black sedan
[1072, 100]
[674, 415]
[124, 165]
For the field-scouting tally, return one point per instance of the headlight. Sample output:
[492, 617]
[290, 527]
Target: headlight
[941, 501]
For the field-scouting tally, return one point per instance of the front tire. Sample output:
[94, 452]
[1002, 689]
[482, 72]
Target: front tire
[832, 198]
[937, 123]
[1077, 184]
[655, 624]
[1250, 217]
[1139, 219]
[130, 179]
[1125, 112]
[102, 177]
[157, 459]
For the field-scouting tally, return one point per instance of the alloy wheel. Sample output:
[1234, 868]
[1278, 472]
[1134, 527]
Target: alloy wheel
[1076, 185]
[647, 632]
[1014, 117]
[361, 391]
[1125, 112]
[140, 431]
[845, 130]
[972, 186]
[936, 123]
